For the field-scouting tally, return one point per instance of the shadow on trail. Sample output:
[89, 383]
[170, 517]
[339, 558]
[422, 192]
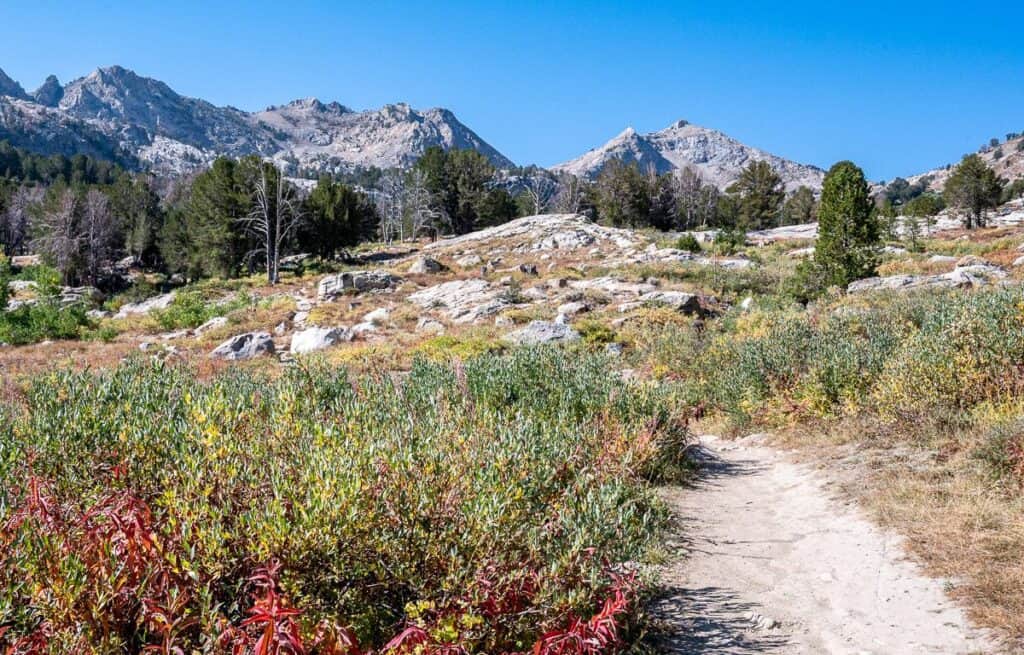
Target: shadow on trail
[707, 619]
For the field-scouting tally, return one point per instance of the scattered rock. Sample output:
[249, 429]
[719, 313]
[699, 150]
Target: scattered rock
[334, 285]
[1019, 261]
[293, 262]
[21, 261]
[747, 303]
[426, 265]
[614, 349]
[18, 286]
[317, 338]
[378, 316]
[571, 309]
[98, 314]
[212, 324]
[538, 332]
[430, 326]
[244, 346]
[361, 329]
[970, 272]
[72, 295]
[528, 269]
[146, 306]
[503, 321]
[468, 261]
[941, 259]
[281, 329]
[687, 303]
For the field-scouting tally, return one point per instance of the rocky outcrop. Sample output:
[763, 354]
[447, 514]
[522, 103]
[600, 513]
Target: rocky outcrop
[145, 306]
[463, 301]
[540, 233]
[244, 346]
[686, 303]
[541, 332]
[333, 286]
[425, 265]
[967, 274]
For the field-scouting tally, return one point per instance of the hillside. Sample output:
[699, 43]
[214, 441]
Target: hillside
[1009, 165]
[716, 156]
[115, 113]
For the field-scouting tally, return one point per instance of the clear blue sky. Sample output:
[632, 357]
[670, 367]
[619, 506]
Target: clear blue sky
[898, 87]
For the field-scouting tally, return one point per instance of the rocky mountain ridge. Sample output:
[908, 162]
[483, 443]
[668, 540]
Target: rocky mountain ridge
[717, 157]
[115, 113]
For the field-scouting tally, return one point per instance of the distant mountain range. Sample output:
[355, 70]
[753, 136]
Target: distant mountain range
[116, 114]
[717, 157]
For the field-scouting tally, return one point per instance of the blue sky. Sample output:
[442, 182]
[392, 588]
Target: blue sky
[897, 87]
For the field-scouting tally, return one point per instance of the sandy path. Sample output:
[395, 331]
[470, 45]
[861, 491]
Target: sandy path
[773, 564]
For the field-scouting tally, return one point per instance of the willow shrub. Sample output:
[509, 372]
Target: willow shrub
[485, 503]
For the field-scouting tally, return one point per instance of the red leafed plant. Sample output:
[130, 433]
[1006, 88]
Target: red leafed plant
[127, 579]
[273, 629]
[598, 635]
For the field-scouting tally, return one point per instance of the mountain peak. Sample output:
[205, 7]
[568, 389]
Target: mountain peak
[8, 87]
[717, 157]
[49, 92]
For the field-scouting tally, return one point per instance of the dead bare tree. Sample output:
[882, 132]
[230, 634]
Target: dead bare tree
[58, 237]
[99, 230]
[569, 199]
[541, 190]
[274, 217]
[696, 201]
[391, 205]
[15, 219]
[424, 217]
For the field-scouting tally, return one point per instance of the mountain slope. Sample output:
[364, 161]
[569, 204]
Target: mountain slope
[1006, 159]
[717, 157]
[115, 110]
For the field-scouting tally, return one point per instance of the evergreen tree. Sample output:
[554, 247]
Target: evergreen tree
[206, 237]
[800, 208]
[848, 235]
[621, 195]
[972, 189]
[336, 217]
[759, 194]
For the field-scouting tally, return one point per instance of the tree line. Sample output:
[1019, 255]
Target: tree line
[243, 215]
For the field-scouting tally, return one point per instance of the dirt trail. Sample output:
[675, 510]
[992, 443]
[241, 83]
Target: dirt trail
[773, 564]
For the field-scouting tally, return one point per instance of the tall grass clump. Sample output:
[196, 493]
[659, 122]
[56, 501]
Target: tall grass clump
[480, 508]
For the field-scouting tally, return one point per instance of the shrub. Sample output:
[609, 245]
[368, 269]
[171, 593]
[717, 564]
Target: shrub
[480, 508]
[35, 322]
[191, 309]
[688, 242]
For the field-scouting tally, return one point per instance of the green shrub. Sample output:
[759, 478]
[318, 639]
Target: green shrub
[190, 309]
[35, 322]
[688, 242]
[482, 505]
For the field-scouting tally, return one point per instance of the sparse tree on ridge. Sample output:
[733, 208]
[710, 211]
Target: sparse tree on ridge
[569, 199]
[972, 189]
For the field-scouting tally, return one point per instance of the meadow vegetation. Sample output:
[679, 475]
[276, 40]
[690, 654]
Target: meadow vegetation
[501, 505]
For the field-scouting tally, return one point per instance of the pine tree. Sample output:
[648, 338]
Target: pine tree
[972, 189]
[848, 235]
[759, 194]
